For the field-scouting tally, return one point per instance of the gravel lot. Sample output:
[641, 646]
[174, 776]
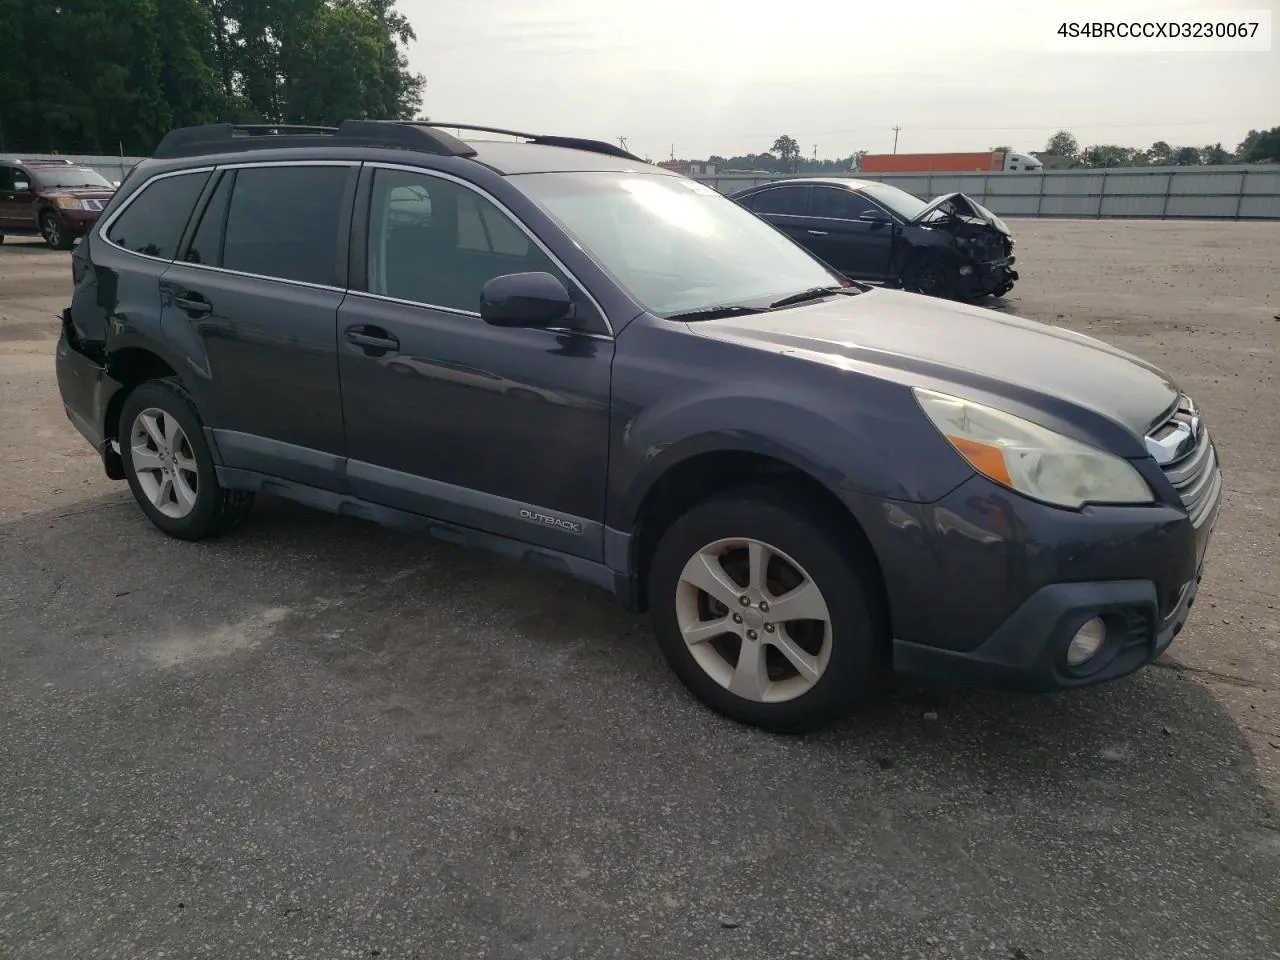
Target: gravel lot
[318, 739]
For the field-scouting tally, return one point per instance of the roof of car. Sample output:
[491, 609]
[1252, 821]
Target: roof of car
[851, 182]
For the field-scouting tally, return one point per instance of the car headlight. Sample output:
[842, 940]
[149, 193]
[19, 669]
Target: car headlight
[1026, 457]
[69, 203]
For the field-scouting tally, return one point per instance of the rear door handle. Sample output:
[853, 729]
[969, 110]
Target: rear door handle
[816, 233]
[193, 303]
[372, 338]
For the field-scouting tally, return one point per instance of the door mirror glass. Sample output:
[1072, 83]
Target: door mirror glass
[22, 186]
[873, 216]
[525, 300]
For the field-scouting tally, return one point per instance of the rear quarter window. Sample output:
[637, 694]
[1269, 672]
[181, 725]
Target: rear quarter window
[154, 219]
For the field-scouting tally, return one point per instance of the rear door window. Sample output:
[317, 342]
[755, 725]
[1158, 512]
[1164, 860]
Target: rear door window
[787, 201]
[153, 222]
[283, 222]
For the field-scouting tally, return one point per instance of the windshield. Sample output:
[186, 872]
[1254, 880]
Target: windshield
[899, 201]
[69, 177]
[676, 245]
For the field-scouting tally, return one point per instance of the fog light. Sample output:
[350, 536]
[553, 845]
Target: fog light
[1087, 642]
[966, 270]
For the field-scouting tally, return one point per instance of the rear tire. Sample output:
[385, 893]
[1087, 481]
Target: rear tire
[802, 673]
[170, 468]
[931, 276]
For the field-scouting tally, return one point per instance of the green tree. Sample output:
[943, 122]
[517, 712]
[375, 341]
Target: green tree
[1186, 156]
[1260, 146]
[1063, 144]
[315, 61]
[1109, 155]
[1160, 153]
[129, 70]
[788, 151]
[344, 61]
[1215, 154]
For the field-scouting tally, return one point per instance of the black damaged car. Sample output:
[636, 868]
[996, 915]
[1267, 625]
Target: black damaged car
[953, 247]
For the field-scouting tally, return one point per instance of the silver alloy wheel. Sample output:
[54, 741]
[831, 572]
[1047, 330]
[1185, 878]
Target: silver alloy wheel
[754, 620]
[164, 462]
[51, 231]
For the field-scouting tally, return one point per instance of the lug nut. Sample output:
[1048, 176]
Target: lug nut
[737, 618]
[764, 606]
[745, 601]
[768, 628]
[752, 635]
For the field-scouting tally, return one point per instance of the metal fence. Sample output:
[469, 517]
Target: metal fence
[1236, 192]
[1243, 192]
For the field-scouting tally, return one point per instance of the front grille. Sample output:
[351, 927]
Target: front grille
[1185, 452]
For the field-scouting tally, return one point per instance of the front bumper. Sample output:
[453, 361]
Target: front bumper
[988, 588]
[1029, 651]
[995, 277]
[77, 222]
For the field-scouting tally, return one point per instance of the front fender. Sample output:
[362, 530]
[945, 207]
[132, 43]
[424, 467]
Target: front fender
[869, 449]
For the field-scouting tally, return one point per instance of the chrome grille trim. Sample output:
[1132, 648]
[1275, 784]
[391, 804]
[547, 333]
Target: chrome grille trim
[1181, 445]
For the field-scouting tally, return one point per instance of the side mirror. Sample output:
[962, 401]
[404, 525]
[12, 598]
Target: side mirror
[525, 300]
[22, 186]
[873, 216]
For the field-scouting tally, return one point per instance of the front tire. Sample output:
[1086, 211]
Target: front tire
[170, 468]
[765, 614]
[932, 276]
[53, 232]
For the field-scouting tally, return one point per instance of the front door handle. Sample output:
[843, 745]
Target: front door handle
[193, 303]
[816, 233]
[372, 338]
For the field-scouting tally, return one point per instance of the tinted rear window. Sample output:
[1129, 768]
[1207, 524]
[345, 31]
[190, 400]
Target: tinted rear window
[781, 200]
[153, 222]
[283, 222]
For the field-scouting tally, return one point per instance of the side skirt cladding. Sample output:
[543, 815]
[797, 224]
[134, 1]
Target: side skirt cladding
[345, 504]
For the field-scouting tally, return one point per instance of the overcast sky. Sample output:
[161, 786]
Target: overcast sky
[713, 76]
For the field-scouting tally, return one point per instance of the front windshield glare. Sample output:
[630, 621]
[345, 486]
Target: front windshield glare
[674, 244]
[69, 177]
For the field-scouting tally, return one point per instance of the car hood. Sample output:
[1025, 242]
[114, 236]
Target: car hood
[1032, 369]
[962, 205]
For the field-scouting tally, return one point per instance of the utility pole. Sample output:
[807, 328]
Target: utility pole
[895, 139]
[673, 151]
[622, 142]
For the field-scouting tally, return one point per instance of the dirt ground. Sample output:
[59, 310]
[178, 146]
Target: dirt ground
[316, 738]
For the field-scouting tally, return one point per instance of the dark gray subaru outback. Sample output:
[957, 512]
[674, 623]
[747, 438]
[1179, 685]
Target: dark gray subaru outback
[544, 346]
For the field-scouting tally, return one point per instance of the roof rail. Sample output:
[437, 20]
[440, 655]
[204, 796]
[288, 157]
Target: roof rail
[546, 140]
[424, 136]
[231, 137]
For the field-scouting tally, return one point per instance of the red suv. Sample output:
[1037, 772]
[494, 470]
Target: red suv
[53, 199]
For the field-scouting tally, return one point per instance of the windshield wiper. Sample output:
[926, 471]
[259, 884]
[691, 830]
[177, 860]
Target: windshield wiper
[711, 313]
[813, 293]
